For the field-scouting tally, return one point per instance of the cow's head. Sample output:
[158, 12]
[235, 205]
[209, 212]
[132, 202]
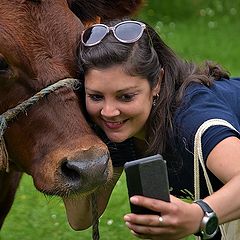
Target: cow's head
[52, 140]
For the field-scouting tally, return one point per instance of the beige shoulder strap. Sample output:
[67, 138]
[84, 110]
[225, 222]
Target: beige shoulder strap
[198, 158]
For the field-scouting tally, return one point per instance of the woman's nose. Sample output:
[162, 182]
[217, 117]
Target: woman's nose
[110, 110]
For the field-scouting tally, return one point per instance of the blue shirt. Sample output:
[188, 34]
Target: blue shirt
[201, 103]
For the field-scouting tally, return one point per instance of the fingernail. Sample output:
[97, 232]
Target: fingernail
[135, 234]
[134, 199]
[126, 218]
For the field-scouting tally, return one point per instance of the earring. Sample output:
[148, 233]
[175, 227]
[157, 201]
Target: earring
[155, 98]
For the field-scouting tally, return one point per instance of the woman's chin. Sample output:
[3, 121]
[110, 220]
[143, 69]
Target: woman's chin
[117, 139]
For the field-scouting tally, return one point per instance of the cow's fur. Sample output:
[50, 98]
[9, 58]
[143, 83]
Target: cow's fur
[38, 42]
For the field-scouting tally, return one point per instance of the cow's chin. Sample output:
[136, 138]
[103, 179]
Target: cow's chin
[78, 206]
[78, 209]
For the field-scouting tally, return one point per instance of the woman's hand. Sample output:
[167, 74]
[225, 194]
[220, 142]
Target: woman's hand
[176, 219]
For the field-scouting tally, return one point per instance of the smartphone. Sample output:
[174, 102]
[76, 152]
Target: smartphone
[147, 177]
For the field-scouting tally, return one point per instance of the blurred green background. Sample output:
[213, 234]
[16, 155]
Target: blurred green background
[197, 30]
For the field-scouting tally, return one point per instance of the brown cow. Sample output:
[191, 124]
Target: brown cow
[50, 141]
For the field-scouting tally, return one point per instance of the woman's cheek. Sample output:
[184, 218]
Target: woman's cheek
[92, 109]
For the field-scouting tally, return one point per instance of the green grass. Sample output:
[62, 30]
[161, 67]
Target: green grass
[199, 30]
[194, 37]
[199, 42]
[35, 217]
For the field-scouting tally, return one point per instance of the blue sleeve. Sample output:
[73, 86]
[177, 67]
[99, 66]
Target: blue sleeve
[198, 106]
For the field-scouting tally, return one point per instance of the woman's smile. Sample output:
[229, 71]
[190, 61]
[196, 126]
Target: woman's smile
[114, 125]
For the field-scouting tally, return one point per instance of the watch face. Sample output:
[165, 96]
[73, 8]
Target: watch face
[211, 225]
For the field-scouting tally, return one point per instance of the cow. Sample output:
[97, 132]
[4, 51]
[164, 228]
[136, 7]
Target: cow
[48, 138]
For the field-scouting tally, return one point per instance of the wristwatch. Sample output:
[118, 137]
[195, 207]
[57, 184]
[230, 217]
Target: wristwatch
[209, 223]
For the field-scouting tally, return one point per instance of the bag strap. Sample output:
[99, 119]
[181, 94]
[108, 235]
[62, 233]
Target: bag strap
[198, 158]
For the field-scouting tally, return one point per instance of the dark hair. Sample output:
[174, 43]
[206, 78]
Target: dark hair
[146, 58]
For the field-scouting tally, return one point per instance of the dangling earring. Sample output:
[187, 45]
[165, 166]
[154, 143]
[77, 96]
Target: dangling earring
[155, 98]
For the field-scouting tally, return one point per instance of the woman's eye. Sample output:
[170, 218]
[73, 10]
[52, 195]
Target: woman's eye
[95, 97]
[127, 97]
[3, 64]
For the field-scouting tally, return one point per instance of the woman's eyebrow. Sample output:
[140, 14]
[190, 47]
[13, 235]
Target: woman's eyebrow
[118, 91]
[128, 89]
[92, 90]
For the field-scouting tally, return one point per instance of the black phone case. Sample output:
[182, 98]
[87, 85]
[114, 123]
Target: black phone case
[147, 177]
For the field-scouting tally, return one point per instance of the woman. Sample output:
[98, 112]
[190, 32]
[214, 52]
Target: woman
[139, 91]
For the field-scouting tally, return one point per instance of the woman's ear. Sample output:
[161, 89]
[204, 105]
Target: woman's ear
[161, 74]
[156, 89]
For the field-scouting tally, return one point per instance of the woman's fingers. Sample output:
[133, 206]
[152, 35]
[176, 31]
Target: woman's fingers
[141, 236]
[150, 232]
[148, 220]
[150, 203]
[173, 220]
[146, 226]
[144, 230]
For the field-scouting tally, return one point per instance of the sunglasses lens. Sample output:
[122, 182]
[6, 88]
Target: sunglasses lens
[94, 35]
[129, 32]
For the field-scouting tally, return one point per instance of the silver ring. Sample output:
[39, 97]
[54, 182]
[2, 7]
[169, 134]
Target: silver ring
[160, 220]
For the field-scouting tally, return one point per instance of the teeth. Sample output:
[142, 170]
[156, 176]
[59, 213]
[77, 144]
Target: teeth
[114, 122]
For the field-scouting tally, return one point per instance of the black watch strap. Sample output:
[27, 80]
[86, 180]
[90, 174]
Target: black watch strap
[209, 215]
[205, 207]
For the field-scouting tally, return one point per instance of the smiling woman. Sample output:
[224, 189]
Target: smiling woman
[138, 90]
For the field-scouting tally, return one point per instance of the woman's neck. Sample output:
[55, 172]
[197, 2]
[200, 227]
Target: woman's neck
[141, 134]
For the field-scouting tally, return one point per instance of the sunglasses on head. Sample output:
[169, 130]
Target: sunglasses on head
[125, 32]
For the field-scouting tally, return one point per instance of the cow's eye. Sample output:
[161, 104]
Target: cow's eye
[3, 64]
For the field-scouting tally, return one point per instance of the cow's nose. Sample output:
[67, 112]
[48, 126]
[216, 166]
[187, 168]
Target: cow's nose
[86, 174]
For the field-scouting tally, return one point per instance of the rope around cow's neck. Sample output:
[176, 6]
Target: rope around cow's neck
[12, 113]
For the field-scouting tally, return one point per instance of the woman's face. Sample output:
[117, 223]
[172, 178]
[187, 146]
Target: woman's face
[120, 104]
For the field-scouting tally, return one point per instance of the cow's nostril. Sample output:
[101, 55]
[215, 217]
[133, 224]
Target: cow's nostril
[85, 175]
[71, 171]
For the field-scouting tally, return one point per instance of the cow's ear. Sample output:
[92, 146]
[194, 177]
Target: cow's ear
[89, 23]
[88, 10]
